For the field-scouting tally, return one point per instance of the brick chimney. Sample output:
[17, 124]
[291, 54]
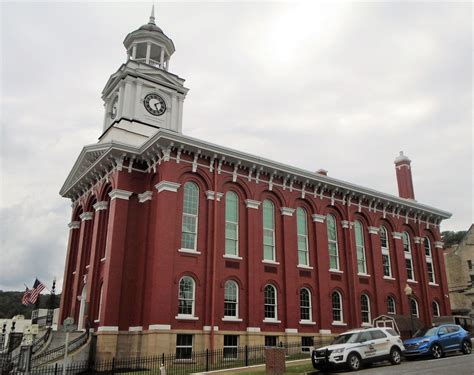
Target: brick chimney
[404, 178]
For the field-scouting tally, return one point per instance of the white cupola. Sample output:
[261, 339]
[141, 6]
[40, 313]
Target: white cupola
[143, 96]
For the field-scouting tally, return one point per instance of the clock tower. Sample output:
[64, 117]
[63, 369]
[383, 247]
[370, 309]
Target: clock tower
[142, 96]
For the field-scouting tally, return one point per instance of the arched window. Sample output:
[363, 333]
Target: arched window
[360, 248]
[332, 243]
[365, 308]
[435, 307]
[408, 256]
[271, 311]
[190, 216]
[337, 313]
[387, 268]
[302, 227]
[429, 261]
[391, 308]
[414, 307]
[305, 305]
[186, 296]
[268, 230]
[231, 224]
[231, 299]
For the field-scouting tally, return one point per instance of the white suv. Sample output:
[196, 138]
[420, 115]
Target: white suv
[353, 348]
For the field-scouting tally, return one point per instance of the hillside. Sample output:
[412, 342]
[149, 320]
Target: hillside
[10, 304]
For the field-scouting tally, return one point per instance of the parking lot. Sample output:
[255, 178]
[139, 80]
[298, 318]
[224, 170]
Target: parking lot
[456, 364]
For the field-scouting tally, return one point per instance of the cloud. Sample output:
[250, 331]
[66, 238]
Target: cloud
[342, 87]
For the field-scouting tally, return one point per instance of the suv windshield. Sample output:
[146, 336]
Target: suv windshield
[427, 331]
[346, 338]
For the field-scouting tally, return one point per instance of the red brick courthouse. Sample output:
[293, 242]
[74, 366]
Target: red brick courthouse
[177, 244]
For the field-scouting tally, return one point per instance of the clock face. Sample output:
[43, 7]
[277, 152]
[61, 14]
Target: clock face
[113, 112]
[155, 104]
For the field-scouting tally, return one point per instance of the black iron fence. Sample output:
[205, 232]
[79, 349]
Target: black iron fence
[174, 364]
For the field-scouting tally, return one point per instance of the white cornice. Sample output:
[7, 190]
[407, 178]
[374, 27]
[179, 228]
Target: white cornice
[250, 203]
[318, 218]
[347, 224]
[397, 235]
[287, 211]
[212, 195]
[102, 205]
[145, 196]
[374, 230]
[167, 186]
[417, 239]
[105, 154]
[439, 245]
[120, 194]
[86, 216]
[74, 225]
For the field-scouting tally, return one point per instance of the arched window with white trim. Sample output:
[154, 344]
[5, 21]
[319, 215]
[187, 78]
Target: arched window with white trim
[384, 243]
[231, 224]
[337, 312]
[190, 216]
[186, 296]
[391, 307]
[231, 299]
[365, 308]
[270, 302]
[429, 261]
[436, 310]
[332, 243]
[305, 305]
[302, 229]
[414, 308]
[268, 230]
[360, 248]
[408, 256]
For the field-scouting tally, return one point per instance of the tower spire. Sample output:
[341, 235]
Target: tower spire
[152, 15]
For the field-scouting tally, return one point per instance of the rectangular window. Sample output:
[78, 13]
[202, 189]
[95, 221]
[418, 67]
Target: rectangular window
[231, 238]
[409, 267]
[469, 264]
[431, 277]
[184, 346]
[332, 243]
[386, 265]
[306, 344]
[231, 224]
[360, 248]
[231, 344]
[271, 340]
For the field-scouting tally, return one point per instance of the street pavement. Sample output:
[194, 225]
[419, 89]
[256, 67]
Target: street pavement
[457, 364]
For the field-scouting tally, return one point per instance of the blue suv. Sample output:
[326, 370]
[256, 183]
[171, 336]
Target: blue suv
[435, 341]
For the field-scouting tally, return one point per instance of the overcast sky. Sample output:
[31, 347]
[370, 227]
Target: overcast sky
[339, 86]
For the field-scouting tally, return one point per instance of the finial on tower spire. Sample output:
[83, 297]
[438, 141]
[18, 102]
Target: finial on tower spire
[152, 15]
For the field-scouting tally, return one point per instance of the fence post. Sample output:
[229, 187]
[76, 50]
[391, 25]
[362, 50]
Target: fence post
[113, 365]
[246, 355]
[163, 359]
[56, 368]
[207, 359]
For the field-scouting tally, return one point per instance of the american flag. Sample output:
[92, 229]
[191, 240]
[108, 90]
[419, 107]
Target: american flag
[25, 300]
[38, 286]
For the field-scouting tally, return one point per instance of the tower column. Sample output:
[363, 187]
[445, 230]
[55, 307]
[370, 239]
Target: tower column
[162, 58]
[115, 251]
[148, 52]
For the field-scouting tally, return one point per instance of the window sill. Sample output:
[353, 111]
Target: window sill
[103, 259]
[233, 257]
[412, 281]
[342, 324]
[389, 278]
[366, 325]
[363, 275]
[307, 323]
[186, 317]
[265, 261]
[304, 266]
[392, 313]
[88, 266]
[74, 272]
[335, 271]
[272, 321]
[231, 319]
[433, 284]
[97, 321]
[189, 251]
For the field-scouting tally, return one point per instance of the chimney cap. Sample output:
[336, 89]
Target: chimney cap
[322, 171]
[402, 157]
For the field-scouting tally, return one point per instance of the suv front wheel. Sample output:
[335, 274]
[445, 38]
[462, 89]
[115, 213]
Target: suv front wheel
[466, 347]
[354, 361]
[436, 351]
